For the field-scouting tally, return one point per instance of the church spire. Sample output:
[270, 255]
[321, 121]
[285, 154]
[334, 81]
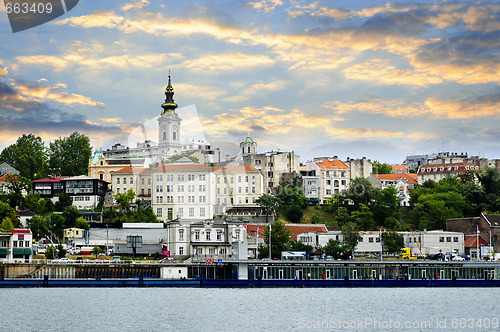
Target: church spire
[169, 106]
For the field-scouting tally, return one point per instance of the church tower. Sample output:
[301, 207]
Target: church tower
[248, 146]
[169, 125]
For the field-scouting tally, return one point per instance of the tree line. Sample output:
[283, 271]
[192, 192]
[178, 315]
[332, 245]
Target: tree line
[68, 156]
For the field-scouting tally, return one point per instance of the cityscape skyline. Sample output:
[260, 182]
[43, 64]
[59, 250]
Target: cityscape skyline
[365, 79]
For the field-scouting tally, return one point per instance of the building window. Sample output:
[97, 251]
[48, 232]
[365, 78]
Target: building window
[455, 239]
[180, 212]
[211, 251]
[207, 234]
[237, 233]
[196, 235]
[202, 177]
[180, 177]
[219, 235]
[131, 180]
[370, 239]
[191, 212]
[441, 239]
[448, 239]
[181, 234]
[159, 212]
[124, 180]
[117, 180]
[377, 240]
[181, 250]
[202, 212]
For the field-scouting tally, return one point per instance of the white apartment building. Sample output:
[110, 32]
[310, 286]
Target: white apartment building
[136, 178]
[402, 182]
[333, 176]
[183, 190]
[204, 239]
[16, 246]
[237, 187]
[437, 172]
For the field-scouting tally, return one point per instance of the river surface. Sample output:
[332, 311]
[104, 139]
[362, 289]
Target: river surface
[275, 309]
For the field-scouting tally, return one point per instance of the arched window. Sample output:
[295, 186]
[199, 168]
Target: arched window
[164, 135]
[248, 149]
[336, 183]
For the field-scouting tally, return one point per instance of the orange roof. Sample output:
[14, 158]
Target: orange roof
[229, 169]
[399, 167]
[296, 229]
[180, 167]
[130, 170]
[411, 178]
[3, 178]
[335, 163]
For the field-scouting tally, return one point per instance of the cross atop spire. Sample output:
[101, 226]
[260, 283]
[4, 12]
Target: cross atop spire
[169, 105]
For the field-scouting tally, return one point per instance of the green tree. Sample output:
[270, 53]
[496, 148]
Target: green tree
[33, 202]
[6, 225]
[379, 168]
[363, 218]
[61, 252]
[315, 219]
[17, 185]
[337, 250]
[350, 232]
[70, 155]
[82, 223]
[63, 202]
[280, 238]
[6, 211]
[393, 242]
[28, 156]
[385, 205]
[50, 252]
[96, 251]
[57, 224]
[70, 214]
[125, 199]
[39, 227]
[296, 245]
[269, 204]
[342, 217]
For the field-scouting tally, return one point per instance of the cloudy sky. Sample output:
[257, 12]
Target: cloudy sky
[347, 78]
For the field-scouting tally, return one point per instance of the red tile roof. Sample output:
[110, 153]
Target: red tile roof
[411, 178]
[25, 231]
[130, 170]
[331, 164]
[470, 241]
[229, 169]
[56, 179]
[399, 167]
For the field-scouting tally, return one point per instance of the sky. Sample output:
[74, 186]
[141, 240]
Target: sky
[374, 79]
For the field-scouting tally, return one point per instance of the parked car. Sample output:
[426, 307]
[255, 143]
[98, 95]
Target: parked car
[438, 257]
[166, 260]
[64, 260]
[79, 260]
[457, 258]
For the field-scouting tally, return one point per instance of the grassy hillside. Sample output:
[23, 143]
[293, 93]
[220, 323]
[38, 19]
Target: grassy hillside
[323, 212]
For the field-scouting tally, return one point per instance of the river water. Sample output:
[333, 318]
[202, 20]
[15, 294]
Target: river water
[275, 309]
